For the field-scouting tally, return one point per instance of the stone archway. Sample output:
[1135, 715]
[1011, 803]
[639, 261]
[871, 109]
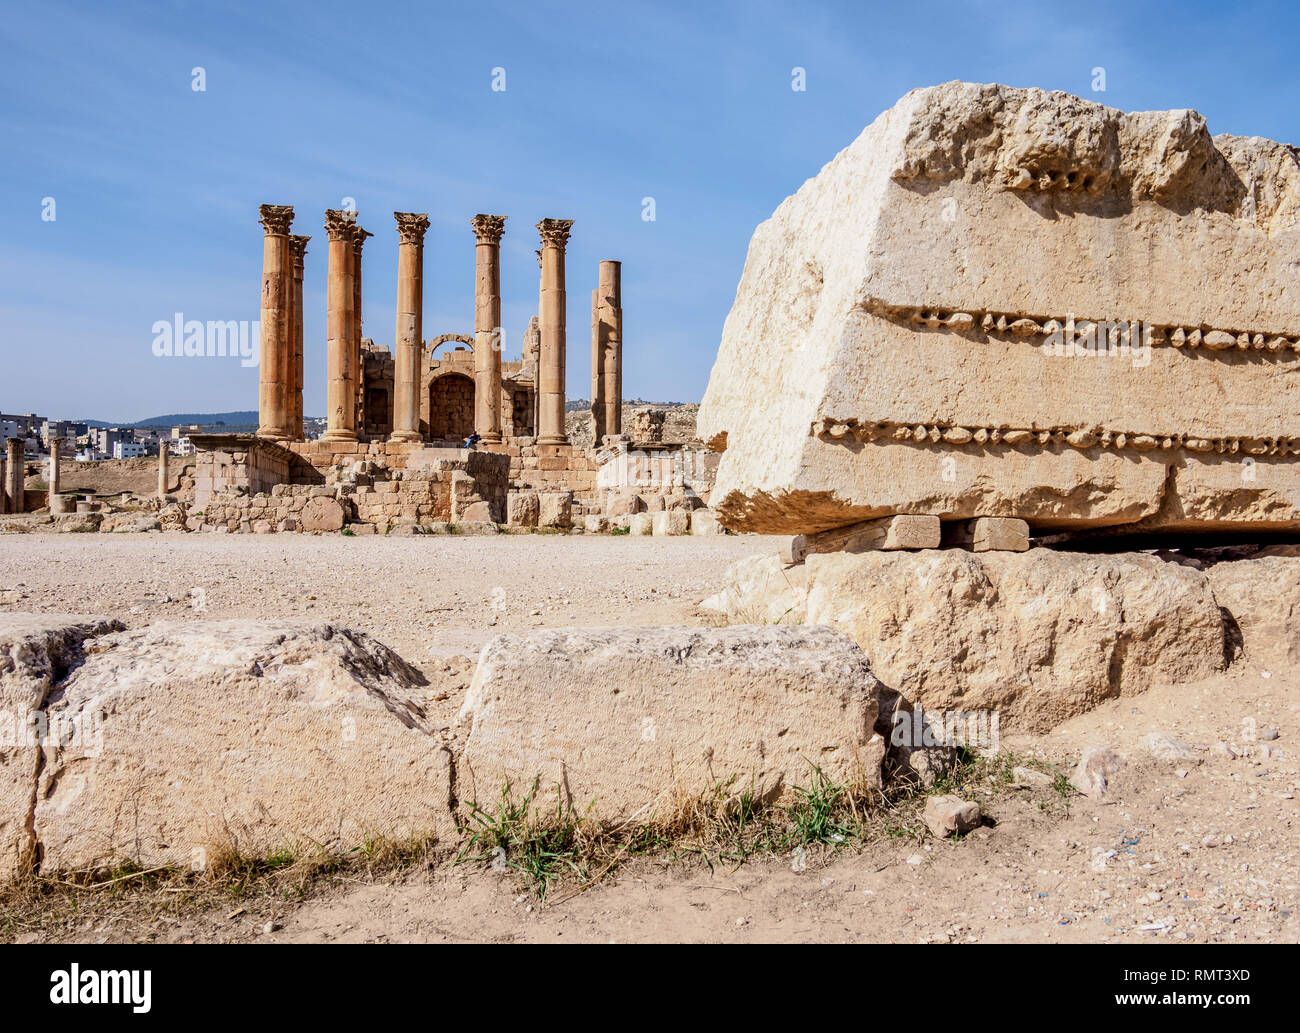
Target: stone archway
[451, 407]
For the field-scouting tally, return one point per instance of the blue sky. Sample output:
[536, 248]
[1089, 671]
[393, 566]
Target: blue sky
[156, 186]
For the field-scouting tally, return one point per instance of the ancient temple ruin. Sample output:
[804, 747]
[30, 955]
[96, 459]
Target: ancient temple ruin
[392, 454]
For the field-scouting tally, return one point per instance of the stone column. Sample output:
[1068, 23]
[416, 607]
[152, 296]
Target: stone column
[358, 241]
[55, 479]
[610, 320]
[487, 325]
[550, 373]
[16, 474]
[411, 227]
[4, 484]
[277, 274]
[297, 251]
[163, 449]
[341, 392]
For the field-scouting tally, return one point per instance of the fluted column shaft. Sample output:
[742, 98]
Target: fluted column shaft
[487, 325]
[272, 420]
[341, 394]
[55, 479]
[162, 467]
[610, 321]
[15, 474]
[297, 251]
[409, 348]
[358, 242]
[550, 374]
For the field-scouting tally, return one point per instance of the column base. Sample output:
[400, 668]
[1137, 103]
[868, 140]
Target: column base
[552, 439]
[339, 435]
[492, 437]
[273, 433]
[409, 437]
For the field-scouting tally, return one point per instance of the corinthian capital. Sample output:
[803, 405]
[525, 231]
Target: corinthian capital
[339, 223]
[555, 232]
[359, 238]
[276, 218]
[298, 248]
[411, 226]
[488, 228]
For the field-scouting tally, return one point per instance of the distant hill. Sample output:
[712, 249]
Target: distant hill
[184, 419]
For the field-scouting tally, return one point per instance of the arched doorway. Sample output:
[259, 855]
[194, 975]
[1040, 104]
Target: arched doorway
[451, 407]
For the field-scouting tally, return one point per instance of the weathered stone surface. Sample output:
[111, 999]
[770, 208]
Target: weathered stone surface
[1097, 766]
[555, 509]
[1036, 636]
[641, 523]
[238, 735]
[522, 509]
[762, 590]
[321, 514]
[705, 521]
[36, 653]
[640, 719]
[1263, 597]
[906, 531]
[671, 522]
[929, 306]
[950, 815]
[999, 534]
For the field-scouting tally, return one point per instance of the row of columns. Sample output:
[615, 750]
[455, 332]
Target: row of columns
[280, 412]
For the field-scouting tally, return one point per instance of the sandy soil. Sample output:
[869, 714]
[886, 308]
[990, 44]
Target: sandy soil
[1201, 851]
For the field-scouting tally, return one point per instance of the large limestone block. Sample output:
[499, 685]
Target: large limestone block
[761, 590]
[37, 651]
[1005, 302]
[1263, 597]
[635, 720]
[1037, 637]
[522, 509]
[236, 735]
[321, 514]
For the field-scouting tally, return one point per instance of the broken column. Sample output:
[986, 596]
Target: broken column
[411, 227]
[55, 479]
[162, 467]
[16, 477]
[550, 373]
[607, 352]
[297, 251]
[277, 274]
[487, 325]
[341, 394]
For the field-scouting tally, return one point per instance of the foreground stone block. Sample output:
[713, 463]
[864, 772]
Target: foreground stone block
[705, 521]
[555, 509]
[639, 720]
[950, 816]
[999, 534]
[762, 590]
[1037, 636]
[906, 531]
[641, 523]
[959, 319]
[266, 737]
[522, 509]
[670, 522]
[37, 651]
[1263, 597]
[321, 514]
